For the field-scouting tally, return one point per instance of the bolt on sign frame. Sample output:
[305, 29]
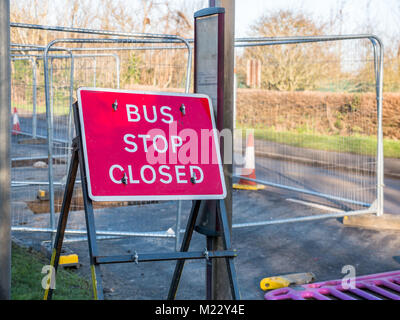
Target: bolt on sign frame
[80, 158]
[376, 207]
[148, 39]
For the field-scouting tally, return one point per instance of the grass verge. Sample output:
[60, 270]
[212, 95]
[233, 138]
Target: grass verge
[26, 278]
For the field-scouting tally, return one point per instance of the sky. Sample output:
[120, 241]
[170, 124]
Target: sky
[381, 17]
[381, 13]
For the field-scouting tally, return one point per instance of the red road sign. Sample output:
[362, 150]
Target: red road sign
[149, 146]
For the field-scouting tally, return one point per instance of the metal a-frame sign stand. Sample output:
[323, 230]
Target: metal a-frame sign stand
[96, 260]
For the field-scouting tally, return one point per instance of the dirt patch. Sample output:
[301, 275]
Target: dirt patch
[42, 204]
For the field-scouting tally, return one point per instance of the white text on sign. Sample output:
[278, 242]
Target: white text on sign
[136, 143]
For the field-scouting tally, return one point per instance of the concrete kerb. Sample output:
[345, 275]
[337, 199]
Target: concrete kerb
[371, 221]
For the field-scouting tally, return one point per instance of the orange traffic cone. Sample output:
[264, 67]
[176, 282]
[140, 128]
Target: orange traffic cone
[16, 128]
[249, 170]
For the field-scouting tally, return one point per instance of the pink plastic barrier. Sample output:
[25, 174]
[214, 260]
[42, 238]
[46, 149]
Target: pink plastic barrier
[383, 286]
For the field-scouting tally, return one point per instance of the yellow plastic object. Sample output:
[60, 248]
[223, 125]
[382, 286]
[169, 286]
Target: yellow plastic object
[69, 260]
[248, 187]
[41, 193]
[274, 283]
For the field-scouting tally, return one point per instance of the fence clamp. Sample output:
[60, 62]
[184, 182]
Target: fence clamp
[206, 254]
[135, 258]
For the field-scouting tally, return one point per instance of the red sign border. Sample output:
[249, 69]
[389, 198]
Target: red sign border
[150, 198]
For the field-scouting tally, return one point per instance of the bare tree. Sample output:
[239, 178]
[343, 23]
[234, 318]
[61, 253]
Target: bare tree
[156, 68]
[288, 67]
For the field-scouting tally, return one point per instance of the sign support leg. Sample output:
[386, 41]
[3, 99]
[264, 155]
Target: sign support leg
[184, 248]
[77, 160]
[223, 221]
[91, 229]
[62, 223]
[227, 246]
[209, 269]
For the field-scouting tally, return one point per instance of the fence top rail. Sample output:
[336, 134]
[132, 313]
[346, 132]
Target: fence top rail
[32, 47]
[294, 39]
[257, 41]
[51, 44]
[104, 40]
[39, 56]
[95, 31]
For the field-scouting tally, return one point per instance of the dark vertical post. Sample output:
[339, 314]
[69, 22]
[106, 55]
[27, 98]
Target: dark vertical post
[184, 248]
[62, 221]
[221, 287]
[5, 107]
[89, 215]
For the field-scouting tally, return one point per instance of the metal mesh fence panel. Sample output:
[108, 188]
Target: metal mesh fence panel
[146, 63]
[27, 152]
[312, 110]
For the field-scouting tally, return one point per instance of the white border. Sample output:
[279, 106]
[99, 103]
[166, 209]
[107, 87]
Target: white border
[149, 198]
